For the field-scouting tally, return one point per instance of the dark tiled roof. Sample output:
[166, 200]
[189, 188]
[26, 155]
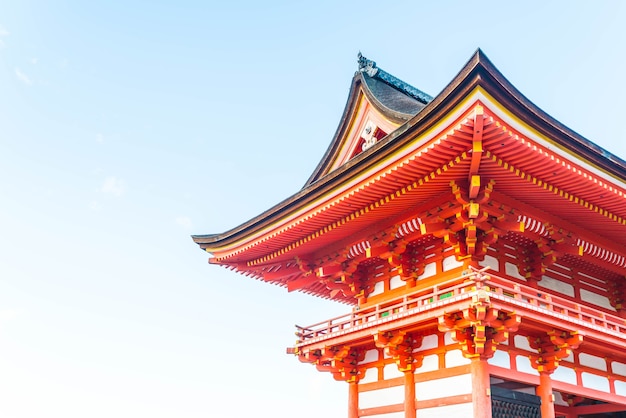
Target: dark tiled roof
[392, 98]
[372, 72]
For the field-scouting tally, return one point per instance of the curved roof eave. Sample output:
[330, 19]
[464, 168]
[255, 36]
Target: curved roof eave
[344, 123]
[358, 82]
[478, 72]
[494, 82]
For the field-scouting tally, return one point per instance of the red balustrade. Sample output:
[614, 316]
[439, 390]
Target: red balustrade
[462, 288]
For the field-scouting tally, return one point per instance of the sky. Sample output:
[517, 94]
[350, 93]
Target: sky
[126, 127]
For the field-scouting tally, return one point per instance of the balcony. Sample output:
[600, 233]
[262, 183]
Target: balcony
[420, 308]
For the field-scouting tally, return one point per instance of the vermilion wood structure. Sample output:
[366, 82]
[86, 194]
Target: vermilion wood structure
[481, 244]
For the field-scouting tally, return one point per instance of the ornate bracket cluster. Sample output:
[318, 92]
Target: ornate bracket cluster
[341, 361]
[479, 328]
[471, 228]
[356, 276]
[572, 400]
[552, 348]
[349, 278]
[409, 263]
[550, 243]
[617, 296]
[534, 263]
[400, 346]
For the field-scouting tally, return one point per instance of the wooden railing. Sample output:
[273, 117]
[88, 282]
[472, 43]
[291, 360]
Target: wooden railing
[456, 289]
[555, 305]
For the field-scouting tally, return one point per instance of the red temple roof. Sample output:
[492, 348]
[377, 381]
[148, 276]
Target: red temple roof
[394, 158]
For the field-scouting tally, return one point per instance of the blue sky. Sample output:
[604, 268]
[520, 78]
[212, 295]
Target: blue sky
[126, 127]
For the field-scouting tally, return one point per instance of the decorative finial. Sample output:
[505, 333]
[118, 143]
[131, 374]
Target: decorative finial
[367, 66]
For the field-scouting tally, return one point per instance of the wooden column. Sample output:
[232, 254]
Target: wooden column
[399, 345]
[487, 328]
[353, 400]
[480, 388]
[409, 394]
[544, 391]
[551, 348]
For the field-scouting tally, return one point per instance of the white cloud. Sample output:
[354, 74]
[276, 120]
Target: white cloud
[113, 186]
[23, 77]
[184, 221]
[99, 138]
[34, 60]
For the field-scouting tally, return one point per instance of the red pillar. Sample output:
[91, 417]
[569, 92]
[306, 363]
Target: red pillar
[544, 391]
[409, 394]
[353, 400]
[481, 388]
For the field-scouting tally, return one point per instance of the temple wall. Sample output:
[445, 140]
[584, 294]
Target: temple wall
[565, 278]
[580, 368]
[386, 282]
[448, 411]
[443, 378]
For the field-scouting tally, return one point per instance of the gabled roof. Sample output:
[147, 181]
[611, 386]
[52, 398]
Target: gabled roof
[538, 164]
[392, 100]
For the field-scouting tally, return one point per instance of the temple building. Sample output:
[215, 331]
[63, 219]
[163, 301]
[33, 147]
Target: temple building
[479, 246]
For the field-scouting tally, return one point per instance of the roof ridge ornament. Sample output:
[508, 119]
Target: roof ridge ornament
[367, 66]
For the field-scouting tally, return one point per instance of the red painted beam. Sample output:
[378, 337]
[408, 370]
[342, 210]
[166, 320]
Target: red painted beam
[282, 273]
[301, 282]
[477, 151]
[598, 409]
